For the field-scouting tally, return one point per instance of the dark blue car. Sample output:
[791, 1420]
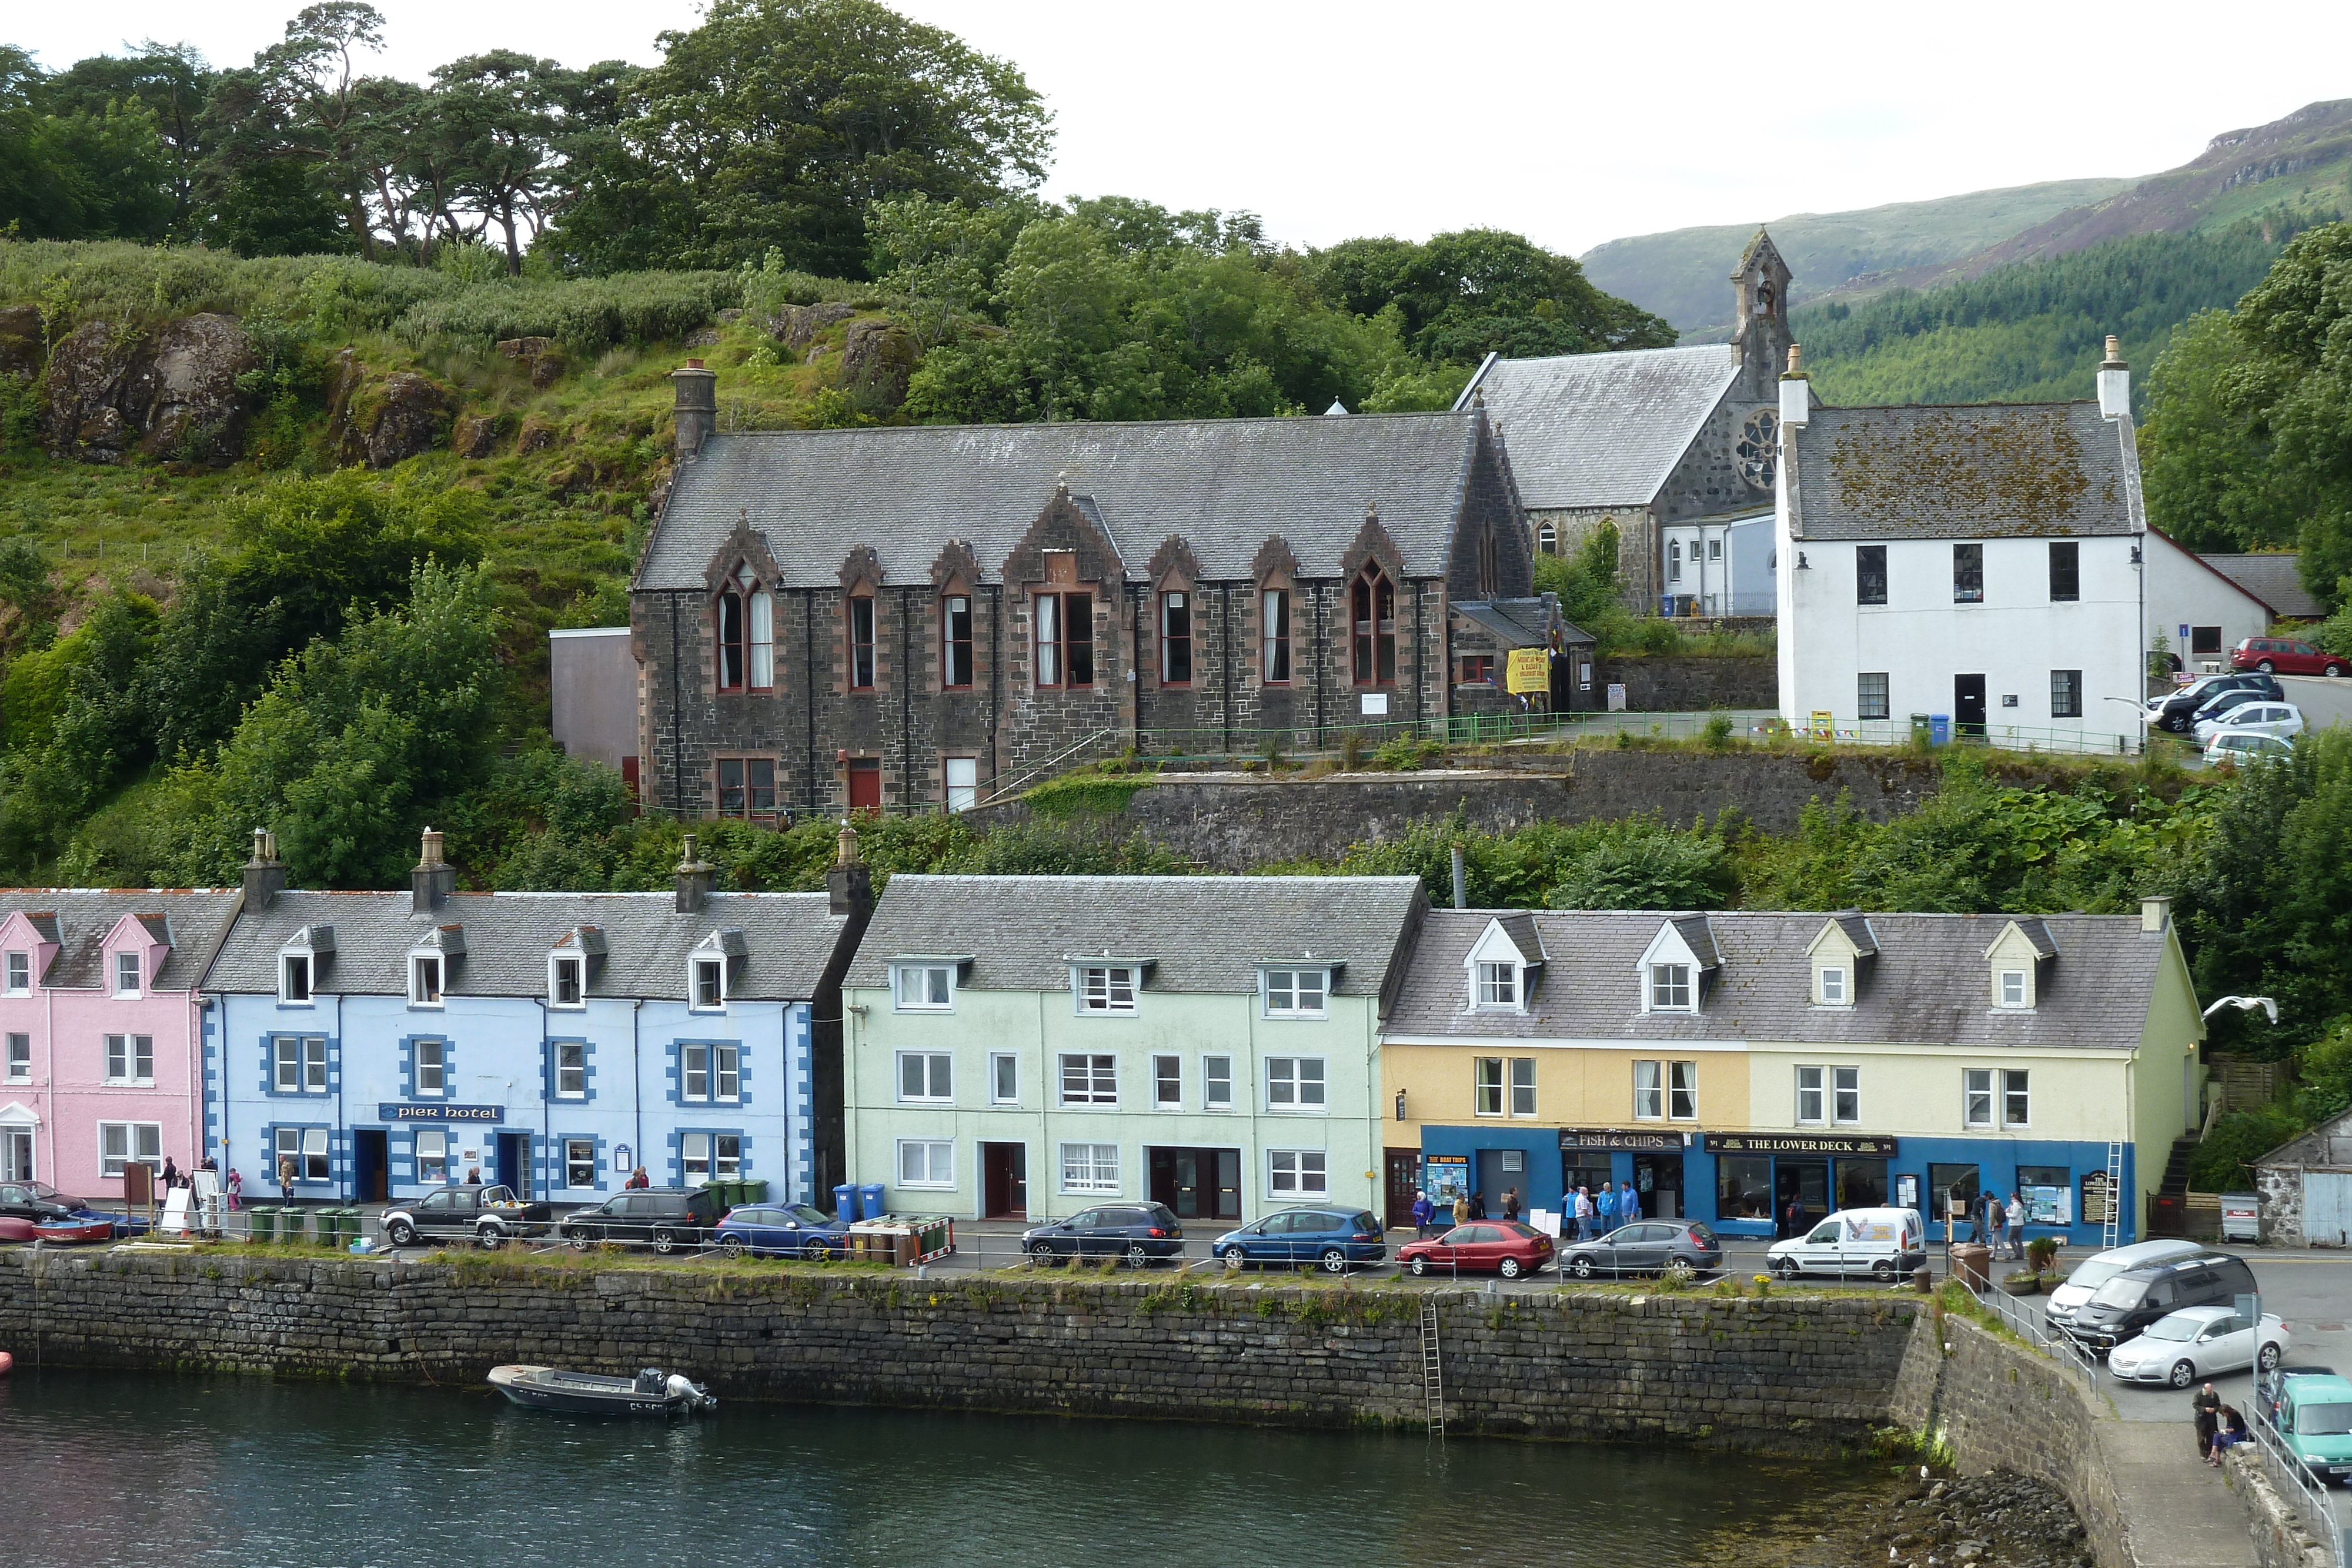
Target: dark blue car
[783, 1230]
[1138, 1232]
[1336, 1239]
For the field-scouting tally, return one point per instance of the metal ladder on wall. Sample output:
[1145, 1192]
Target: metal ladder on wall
[2109, 1236]
[1432, 1372]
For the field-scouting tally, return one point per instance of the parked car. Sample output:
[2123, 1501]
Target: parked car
[2315, 1421]
[2281, 719]
[2270, 1386]
[783, 1230]
[38, 1200]
[2228, 745]
[1505, 1247]
[2285, 657]
[2198, 1341]
[491, 1215]
[1645, 1247]
[2096, 1271]
[2124, 1306]
[662, 1217]
[2175, 710]
[1337, 1239]
[1138, 1232]
[1880, 1242]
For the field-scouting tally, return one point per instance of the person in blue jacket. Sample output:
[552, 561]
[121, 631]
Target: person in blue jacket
[1605, 1206]
[1424, 1216]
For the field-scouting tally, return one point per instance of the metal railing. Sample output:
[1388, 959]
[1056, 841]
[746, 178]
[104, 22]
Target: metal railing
[2292, 1480]
[2035, 1330]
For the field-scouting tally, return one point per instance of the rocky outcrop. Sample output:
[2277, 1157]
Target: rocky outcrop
[475, 434]
[798, 325]
[543, 355]
[380, 422]
[879, 358]
[166, 391]
[536, 435]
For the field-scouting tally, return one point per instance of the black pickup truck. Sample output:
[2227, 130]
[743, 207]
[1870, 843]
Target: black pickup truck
[491, 1216]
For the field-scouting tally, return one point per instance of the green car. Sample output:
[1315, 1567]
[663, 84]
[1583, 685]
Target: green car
[2315, 1418]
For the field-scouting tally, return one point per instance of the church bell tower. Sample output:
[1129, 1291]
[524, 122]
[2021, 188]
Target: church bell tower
[1759, 287]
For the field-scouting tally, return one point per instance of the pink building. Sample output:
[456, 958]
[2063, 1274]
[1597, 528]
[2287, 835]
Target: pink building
[101, 1031]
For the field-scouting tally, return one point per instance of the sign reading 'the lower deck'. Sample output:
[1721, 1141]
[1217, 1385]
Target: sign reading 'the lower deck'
[1795, 1144]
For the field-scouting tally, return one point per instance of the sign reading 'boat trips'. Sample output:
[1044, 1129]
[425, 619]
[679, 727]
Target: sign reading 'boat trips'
[1794, 1143]
[1621, 1138]
[427, 1111]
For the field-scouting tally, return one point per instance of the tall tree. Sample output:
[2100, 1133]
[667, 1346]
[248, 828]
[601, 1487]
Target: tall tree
[503, 113]
[304, 102]
[1481, 291]
[171, 82]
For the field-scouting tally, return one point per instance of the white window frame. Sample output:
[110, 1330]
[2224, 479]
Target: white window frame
[111, 1162]
[20, 972]
[1095, 1073]
[698, 970]
[1298, 1175]
[720, 1071]
[960, 779]
[314, 1064]
[126, 1054]
[1681, 1091]
[2017, 1090]
[1673, 988]
[927, 1162]
[439, 1066]
[1522, 1086]
[914, 987]
[2014, 989]
[303, 1146]
[1090, 1172]
[1497, 986]
[1649, 1091]
[1217, 1081]
[432, 1169]
[1285, 992]
[1812, 1097]
[1845, 1096]
[19, 1066]
[1831, 987]
[1003, 1078]
[1105, 991]
[576, 965]
[573, 1167]
[573, 1074]
[1486, 1074]
[287, 962]
[1167, 1081]
[128, 964]
[423, 993]
[693, 1158]
[1977, 1100]
[935, 1075]
[1291, 1090]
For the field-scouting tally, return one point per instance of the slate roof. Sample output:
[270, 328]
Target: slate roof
[1971, 471]
[1223, 484]
[1517, 623]
[1206, 935]
[1929, 983]
[507, 936]
[2276, 580]
[1602, 429]
[78, 919]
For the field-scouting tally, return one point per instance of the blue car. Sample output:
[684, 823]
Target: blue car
[783, 1230]
[1335, 1239]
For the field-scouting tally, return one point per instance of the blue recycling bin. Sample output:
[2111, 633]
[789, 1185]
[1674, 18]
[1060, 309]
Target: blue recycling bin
[870, 1202]
[1939, 729]
[844, 1202]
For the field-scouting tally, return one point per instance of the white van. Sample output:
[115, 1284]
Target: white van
[2098, 1268]
[1884, 1243]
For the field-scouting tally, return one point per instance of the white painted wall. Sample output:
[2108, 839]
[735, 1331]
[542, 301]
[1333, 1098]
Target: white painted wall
[2184, 593]
[1726, 566]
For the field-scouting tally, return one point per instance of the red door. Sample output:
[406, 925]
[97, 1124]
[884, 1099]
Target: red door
[865, 783]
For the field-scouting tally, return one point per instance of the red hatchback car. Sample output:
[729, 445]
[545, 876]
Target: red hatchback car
[1502, 1246]
[2277, 655]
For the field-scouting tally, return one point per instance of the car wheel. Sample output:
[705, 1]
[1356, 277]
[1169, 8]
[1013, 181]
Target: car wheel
[665, 1241]
[1509, 1269]
[1786, 1268]
[731, 1245]
[1234, 1258]
[1420, 1267]
[2184, 1373]
[1334, 1260]
[489, 1238]
[2332, 670]
[2267, 668]
[580, 1240]
[1136, 1257]
[1581, 1266]
[1041, 1250]
[399, 1233]
[2269, 1359]
[817, 1251]
[1883, 1270]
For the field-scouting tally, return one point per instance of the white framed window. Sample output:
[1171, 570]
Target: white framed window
[1670, 988]
[301, 1064]
[2016, 988]
[709, 985]
[923, 987]
[432, 1155]
[1976, 1097]
[424, 980]
[709, 1073]
[1831, 986]
[1168, 1083]
[925, 1162]
[20, 1058]
[1106, 988]
[1004, 1079]
[709, 1157]
[1846, 1095]
[307, 1147]
[1296, 1083]
[580, 1162]
[294, 978]
[1650, 1091]
[567, 982]
[570, 1070]
[1681, 1091]
[1486, 1099]
[1523, 1086]
[126, 974]
[123, 1143]
[1298, 1174]
[1090, 1168]
[1296, 993]
[432, 1068]
[1812, 1097]
[1089, 1079]
[130, 1059]
[20, 973]
[1499, 984]
[2016, 1103]
[926, 1077]
[1217, 1083]
[961, 782]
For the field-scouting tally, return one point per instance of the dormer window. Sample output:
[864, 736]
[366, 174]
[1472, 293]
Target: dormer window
[710, 983]
[1670, 988]
[1297, 993]
[20, 973]
[1504, 964]
[567, 980]
[1830, 988]
[924, 988]
[2017, 988]
[425, 980]
[126, 974]
[1498, 985]
[1106, 988]
[294, 978]
[1671, 972]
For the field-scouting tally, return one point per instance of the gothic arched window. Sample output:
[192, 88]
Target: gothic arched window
[1372, 605]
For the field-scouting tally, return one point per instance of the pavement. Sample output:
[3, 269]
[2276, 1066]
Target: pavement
[2323, 702]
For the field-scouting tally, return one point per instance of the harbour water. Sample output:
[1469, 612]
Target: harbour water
[105, 1468]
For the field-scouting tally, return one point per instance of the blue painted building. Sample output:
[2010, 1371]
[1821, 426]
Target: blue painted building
[379, 1044]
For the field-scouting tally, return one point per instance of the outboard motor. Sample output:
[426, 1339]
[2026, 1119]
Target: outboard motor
[649, 1382]
[679, 1388]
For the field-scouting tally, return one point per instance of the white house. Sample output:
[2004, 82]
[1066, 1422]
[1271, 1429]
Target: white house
[2200, 611]
[1981, 563]
[1722, 565]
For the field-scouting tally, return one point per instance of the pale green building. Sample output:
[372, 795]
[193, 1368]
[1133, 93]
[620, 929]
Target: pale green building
[1023, 1048]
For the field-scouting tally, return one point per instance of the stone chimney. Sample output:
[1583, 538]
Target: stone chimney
[849, 885]
[2155, 913]
[698, 405]
[1796, 394]
[2115, 383]
[265, 874]
[434, 880]
[694, 877]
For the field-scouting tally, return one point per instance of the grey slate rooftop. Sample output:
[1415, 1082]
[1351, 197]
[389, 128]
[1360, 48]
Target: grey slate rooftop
[2275, 580]
[1973, 471]
[1603, 430]
[1225, 485]
[81, 918]
[1929, 984]
[788, 938]
[1205, 934]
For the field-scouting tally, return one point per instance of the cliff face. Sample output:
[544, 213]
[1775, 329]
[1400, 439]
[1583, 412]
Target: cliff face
[167, 391]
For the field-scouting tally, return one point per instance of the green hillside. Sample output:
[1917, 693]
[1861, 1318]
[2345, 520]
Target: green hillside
[1681, 275]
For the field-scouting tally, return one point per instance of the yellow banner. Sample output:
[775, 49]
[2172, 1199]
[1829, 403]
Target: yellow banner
[1530, 671]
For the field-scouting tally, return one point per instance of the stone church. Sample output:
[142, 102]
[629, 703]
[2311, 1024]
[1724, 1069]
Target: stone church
[1673, 445]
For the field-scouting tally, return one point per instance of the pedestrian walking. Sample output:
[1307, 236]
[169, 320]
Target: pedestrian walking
[2016, 1227]
[170, 1173]
[1793, 1216]
[1584, 1226]
[236, 1190]
[1629, 1206]
[1462, 1209]
[1424, 1216]
[1478, 1206]
[1995, 1221]
[286, 1179]
[2207, 1408]
[1604, 1208]
[1510, 1203]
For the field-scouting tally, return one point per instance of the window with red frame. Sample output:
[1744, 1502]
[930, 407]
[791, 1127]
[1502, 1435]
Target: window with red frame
[955, 642]
[1373, 612]
[861, 642]
[1065, 641]
[1478, 669]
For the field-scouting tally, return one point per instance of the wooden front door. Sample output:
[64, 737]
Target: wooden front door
[1004, 1180]
[1403, 1167]
[865, 783]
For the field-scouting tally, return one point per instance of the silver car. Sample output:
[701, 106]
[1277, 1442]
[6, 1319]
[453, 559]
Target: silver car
[2195, 1342]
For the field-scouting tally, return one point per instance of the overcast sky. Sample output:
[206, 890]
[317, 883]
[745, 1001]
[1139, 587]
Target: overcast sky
[1570, 123]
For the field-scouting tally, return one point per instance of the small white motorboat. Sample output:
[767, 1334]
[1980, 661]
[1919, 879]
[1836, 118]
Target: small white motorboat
[592, 1394]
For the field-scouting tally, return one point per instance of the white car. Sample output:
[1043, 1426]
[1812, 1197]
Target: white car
[2231, 746]
[2281, 719]
[2196, 1342]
